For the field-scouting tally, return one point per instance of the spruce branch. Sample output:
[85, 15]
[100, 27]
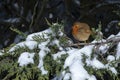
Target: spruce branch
[18, 31]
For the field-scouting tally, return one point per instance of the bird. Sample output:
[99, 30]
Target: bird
[81, 31]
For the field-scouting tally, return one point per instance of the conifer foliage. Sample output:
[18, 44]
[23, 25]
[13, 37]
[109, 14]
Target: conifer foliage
[48, 55]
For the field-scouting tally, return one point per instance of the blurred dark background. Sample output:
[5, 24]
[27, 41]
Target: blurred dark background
[29, 16]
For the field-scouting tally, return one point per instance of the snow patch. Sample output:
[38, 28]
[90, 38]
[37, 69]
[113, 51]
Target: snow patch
[42, 33]
[87, 50]
[78, 72]
[57, 43]
[118, 51]
[110, 58]
[1, 53]
[26, 58]
[75, 54]
[30, 44]
[95, 63]
[75, 64]
[103, 48]
[113, 70]
[67, 76]
[43, 51]
[58, 54]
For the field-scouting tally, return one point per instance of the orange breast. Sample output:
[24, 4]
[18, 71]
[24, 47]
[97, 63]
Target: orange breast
[75, 32]
[81, 31]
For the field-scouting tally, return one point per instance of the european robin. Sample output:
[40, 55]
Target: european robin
[81, 31]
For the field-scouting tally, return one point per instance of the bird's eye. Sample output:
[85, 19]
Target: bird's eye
[76, 26]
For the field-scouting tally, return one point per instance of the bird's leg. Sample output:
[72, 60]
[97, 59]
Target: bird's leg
[78, 43]
[85, 41]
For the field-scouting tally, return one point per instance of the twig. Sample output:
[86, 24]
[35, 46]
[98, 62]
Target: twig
[41, 12]
[33, 16]
[111, 40]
